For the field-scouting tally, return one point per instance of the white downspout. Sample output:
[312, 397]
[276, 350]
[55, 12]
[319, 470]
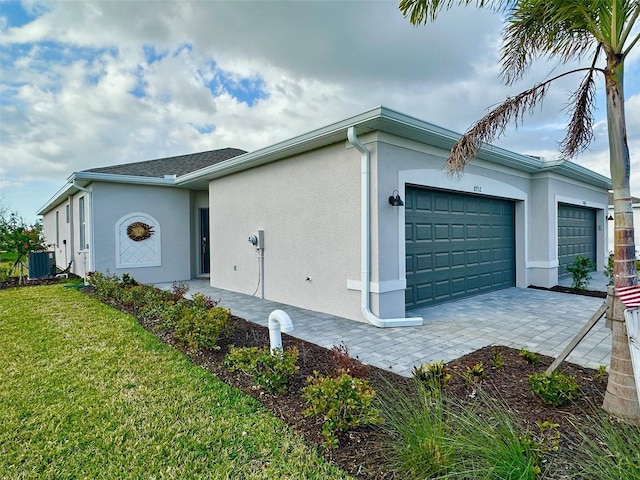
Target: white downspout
[89, 220]
[365, 243]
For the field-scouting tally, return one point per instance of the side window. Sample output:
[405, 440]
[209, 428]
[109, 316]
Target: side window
[57, 228]
[82, 224]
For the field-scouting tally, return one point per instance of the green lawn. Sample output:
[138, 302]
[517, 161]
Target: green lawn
[85, 392]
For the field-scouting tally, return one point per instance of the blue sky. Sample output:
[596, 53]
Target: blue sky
[89, 84]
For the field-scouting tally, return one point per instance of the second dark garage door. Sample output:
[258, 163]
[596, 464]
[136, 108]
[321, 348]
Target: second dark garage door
[576, 235]
[457, 245]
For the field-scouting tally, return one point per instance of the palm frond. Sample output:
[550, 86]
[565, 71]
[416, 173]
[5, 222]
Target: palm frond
[540, 28]
[580, 129]
[424, 11]
[492, 126]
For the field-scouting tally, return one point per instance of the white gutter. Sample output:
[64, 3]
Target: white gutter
[365, 243]
[168, 180]
[89, 218]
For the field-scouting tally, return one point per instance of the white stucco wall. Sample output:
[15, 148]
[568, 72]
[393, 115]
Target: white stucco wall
[62, 247]
[69, 231]
[309, 209]
[170, 207]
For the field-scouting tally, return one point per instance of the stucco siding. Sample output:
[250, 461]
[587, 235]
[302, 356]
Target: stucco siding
[309, 209]
[170, 207]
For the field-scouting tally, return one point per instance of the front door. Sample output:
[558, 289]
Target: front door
[205, 254]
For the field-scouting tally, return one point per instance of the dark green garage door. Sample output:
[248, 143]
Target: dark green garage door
[576, 235]
[456, 246]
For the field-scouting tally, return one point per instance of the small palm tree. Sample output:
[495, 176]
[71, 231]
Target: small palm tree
[566, 30]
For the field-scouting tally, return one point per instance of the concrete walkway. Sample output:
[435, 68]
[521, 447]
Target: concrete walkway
[538, 320]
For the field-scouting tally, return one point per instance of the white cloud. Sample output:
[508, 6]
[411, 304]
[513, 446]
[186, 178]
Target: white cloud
[68, 78]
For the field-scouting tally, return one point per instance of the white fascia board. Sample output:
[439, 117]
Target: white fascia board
[578, 172]
[88, 177]
[60, 196]
[113, 178]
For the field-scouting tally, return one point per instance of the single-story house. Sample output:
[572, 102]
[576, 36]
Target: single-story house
[356, 219]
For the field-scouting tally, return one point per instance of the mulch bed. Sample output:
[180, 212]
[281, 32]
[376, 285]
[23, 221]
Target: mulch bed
[361, 451]
[573, 291]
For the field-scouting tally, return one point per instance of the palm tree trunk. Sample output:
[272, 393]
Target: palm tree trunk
[621, 399]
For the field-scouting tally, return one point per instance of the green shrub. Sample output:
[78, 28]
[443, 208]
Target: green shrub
[158, 310]
[555, 389]
[434, 376]
[531, 357]
[346, 403]
[128, 281]
[136, 296]
[474, 374]
[496, 359]
[201, 329]
[608, 268]
[106, 286]
[270, 370]
[600, 374]
[580, 271]
[204, 302]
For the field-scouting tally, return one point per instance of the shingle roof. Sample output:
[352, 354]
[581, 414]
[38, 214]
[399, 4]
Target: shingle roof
[178, 166]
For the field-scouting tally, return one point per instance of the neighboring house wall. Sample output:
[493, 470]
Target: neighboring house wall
[56, 226]
[548, 191]
[166, 255]
[636, 225]
[68, 249]
[309, 209]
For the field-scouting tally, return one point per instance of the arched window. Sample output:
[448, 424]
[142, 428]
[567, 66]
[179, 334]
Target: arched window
[138, 241]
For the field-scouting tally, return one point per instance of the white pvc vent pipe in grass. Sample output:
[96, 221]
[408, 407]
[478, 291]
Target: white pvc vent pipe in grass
[279, 322]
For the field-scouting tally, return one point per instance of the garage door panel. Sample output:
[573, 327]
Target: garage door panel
[457, 232]
[441, 204]
[473, 257]
[458, 259]
[424, 262]
[472, 250]
[576, 235]
[441, 232]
